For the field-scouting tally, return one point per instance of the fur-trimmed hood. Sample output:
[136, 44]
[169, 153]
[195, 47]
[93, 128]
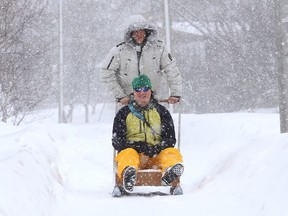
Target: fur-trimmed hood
[137, 22]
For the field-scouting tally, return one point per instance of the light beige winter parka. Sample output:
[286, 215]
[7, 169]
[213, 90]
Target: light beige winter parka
[121, 65]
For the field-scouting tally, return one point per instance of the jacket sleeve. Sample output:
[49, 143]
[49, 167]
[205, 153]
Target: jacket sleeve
[109, 72]
[167, 129]
[119, 131]
[169, 66]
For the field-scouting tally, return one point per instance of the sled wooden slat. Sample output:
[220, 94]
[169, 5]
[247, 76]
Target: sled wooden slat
[149, 177]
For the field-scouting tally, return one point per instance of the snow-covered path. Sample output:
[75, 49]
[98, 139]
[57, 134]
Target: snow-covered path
[235, 164]
[226, 158]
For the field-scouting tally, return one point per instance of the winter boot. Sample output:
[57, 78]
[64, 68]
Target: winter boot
[129, 178]
[172, 173]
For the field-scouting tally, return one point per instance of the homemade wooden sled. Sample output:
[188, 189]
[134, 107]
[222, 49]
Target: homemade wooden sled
[148, 177]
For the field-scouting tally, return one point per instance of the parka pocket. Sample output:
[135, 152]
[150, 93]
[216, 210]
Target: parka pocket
[110, 62]
[127, 65]
[156, 65]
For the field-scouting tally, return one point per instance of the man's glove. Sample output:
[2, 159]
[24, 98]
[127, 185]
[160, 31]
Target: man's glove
[152, 150]
[124, 101]
[173, 99]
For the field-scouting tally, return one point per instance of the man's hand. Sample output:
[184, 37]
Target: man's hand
[173, 99]
[124, 101]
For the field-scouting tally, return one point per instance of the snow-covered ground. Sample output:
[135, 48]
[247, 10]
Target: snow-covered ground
[236, 164]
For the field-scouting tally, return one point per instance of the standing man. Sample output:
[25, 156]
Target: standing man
[140, 53]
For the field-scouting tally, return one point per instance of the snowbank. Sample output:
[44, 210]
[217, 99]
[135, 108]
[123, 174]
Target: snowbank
[235, 164]
[30, 183]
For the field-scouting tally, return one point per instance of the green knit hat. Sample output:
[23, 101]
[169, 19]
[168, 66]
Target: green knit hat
[141, 81]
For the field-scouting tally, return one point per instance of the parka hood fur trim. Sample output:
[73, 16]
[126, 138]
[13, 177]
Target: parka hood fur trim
[137, 22]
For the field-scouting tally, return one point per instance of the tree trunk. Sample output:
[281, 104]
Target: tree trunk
[282, 16]
[86, 113]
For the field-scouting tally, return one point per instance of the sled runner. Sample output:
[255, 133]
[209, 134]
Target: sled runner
[149, 177]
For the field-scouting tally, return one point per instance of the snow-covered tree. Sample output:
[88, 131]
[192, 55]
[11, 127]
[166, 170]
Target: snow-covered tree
[25, 57]
[237, 69]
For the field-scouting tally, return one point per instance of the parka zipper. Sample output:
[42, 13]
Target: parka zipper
[139, 53]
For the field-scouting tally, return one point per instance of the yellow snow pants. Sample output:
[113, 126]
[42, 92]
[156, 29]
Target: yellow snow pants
[130, 157]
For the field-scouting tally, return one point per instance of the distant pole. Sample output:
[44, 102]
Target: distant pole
[282, 17]
[167, 25]
[168, 39]
[60, 111]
